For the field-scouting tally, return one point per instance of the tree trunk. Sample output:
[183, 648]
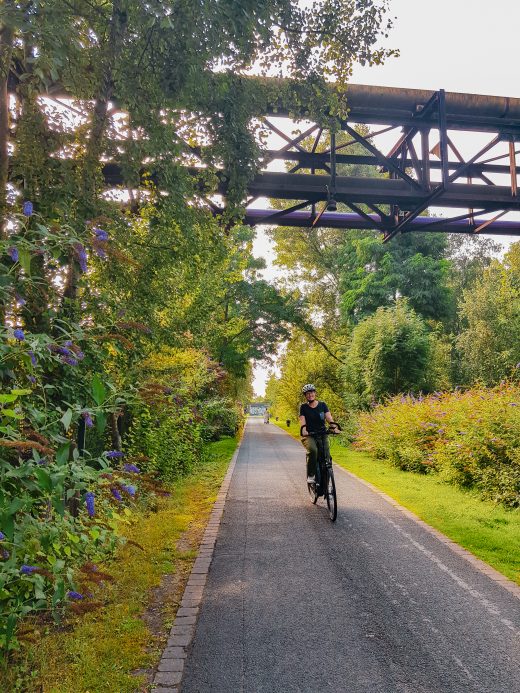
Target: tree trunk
[118, 23]
[114, 430]
[6, 51]
[94, 148]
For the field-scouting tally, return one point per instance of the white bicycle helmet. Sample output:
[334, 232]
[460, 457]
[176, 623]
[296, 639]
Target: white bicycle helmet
[308, 388]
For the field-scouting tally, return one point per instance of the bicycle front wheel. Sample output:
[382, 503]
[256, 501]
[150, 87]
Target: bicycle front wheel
[313, 493]
[332, 503]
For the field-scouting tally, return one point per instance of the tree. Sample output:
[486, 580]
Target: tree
[389, 353]
[489, 343]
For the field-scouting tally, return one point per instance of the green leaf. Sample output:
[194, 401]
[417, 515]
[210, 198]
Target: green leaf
[42, 229]
[98, 390]
[8, 398]
[66, 419]
[62, 455]
[101, 422]
[16, 505]
[44, 479]
[21, 392]
[11, 413]
[25, 260]
[59, 592]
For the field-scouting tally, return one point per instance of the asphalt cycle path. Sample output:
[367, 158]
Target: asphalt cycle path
[370, 604]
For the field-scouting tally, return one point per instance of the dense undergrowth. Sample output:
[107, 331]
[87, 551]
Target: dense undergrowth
[90, 431]
[470, 438]
[113, 638]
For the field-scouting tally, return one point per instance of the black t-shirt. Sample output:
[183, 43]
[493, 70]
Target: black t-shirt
[314, 416]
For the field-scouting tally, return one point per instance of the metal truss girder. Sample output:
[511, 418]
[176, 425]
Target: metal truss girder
[344, 220]
[300, 186]
[316, 160]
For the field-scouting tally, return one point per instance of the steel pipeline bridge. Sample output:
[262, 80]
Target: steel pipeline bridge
[423, 170]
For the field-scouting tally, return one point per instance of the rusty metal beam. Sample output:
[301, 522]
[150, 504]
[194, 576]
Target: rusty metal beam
[347, 220]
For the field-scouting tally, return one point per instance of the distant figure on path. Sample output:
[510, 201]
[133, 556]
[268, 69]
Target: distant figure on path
[266, 416]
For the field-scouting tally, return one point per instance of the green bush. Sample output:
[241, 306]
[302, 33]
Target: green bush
[167, 443]
[220, 417]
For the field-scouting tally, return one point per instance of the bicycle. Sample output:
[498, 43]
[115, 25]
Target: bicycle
[324, 486]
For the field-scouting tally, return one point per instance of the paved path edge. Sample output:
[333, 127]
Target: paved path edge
[477, 563]
[171, 666]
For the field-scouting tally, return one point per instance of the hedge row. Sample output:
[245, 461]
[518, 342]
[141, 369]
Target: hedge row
[470, 438]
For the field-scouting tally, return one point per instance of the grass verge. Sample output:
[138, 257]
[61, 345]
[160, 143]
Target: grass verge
[116, 647]
[489, 531]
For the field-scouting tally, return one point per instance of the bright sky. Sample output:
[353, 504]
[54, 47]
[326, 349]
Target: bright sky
[466, 46]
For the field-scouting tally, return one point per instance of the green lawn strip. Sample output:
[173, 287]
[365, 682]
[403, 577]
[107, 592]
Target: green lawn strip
[489, 531]
[98, 651]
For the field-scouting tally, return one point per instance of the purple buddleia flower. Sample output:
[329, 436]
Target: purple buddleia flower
[80, 355]
[18, 334]
[101, 253]
[31, 379]
[5, 554]
[69, 360]
[129, 489]
[20, 300]
[81, 255]
[89, 502]
[28, 569]
[28, 208]
[116, 494]
[114, 453]
[74, 595]
[13, 253]
[68, 343]
[33, 358]
[88, 419]
[2, 536]
[100, 234]
[131, 468]
[64, 351]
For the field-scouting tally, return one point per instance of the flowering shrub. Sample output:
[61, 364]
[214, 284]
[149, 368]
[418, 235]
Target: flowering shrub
[55, 508]
[93, 405]
[179, 409]
[469, 438]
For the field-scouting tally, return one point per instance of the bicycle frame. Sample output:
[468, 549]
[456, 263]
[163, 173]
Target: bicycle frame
[322, 464]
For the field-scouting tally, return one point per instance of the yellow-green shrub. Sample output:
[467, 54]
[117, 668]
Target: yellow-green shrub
[470, 438]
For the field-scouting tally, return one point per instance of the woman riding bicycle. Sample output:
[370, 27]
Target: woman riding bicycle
[313, 415]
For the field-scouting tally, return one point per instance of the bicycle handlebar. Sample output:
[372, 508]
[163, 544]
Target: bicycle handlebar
[328, 432]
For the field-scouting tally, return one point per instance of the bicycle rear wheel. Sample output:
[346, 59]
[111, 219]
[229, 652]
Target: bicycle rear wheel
[330, 492]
